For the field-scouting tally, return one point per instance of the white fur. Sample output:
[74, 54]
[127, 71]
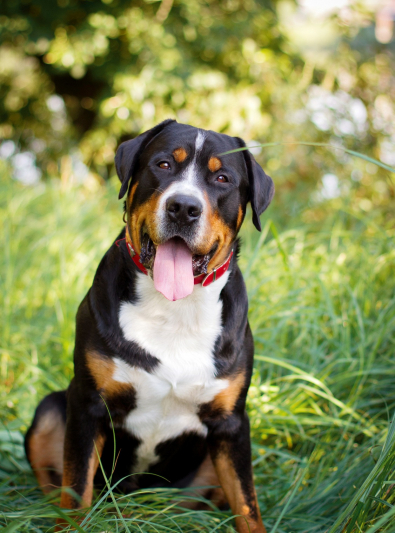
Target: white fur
[187, 185]
[200, 138]
[181, 335]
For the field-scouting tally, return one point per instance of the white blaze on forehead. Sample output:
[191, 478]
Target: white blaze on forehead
[200, 138]
[190, 173]
[188, 185]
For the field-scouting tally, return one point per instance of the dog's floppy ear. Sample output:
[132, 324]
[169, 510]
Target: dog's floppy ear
[129, 151]
[261, 186]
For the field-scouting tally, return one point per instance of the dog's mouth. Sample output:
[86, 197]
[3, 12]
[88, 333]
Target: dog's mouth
[173, 265]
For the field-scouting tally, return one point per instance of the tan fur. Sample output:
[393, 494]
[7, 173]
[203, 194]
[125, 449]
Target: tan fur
[234, 493]
[45, 449]
[102, 370]
[227, 398]
[222, 234]
[144, 215]
[131, 195]
[180, 154]
[219, 231]
[240, 217]
[214, 164]
[67, 501]
[93, 464]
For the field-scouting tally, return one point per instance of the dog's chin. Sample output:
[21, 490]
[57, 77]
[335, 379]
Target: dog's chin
[199, 262]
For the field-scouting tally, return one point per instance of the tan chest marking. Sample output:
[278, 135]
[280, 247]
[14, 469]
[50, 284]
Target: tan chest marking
[227, 398]
[102, 369]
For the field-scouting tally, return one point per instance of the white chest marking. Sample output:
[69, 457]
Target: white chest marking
[181, 335]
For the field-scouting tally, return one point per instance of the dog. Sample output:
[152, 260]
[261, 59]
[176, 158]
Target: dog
[163, 350]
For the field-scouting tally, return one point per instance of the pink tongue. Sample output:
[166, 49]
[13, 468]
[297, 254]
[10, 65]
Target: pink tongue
[173, 275]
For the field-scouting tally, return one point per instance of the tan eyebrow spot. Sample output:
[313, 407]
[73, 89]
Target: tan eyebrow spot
[214, 164]
[180, 155]
[102, 369]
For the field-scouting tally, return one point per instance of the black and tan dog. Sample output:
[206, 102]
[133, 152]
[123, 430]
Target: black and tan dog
[163, 343]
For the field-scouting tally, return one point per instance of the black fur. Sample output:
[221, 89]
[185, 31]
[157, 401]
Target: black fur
[128, 153]
[98, 329]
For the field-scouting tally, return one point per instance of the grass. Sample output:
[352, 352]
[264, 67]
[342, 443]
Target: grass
[322, 309]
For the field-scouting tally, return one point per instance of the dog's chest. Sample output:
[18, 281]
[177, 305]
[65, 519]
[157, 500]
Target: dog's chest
[181, 335]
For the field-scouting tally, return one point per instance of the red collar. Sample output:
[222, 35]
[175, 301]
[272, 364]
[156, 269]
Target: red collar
[204, 279]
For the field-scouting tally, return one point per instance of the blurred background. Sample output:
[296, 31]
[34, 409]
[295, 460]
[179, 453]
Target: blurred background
[77, 78]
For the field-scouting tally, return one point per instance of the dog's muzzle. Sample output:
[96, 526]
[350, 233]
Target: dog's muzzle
[183, 210]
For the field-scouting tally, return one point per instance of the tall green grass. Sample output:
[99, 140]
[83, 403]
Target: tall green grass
[322, 309]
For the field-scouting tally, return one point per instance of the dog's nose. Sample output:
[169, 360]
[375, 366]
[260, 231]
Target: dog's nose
[183, 209]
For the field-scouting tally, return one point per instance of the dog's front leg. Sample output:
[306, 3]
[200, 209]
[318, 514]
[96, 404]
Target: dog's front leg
[83, 446]
[230, 449]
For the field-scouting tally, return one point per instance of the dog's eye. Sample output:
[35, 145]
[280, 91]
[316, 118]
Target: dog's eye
[222, 179]
[164, 164]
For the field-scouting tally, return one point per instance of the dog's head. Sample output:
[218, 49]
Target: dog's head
[186, 202]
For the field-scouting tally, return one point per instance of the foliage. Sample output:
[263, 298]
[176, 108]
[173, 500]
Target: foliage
[122, 68]
[242, 67]
[322, 308]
